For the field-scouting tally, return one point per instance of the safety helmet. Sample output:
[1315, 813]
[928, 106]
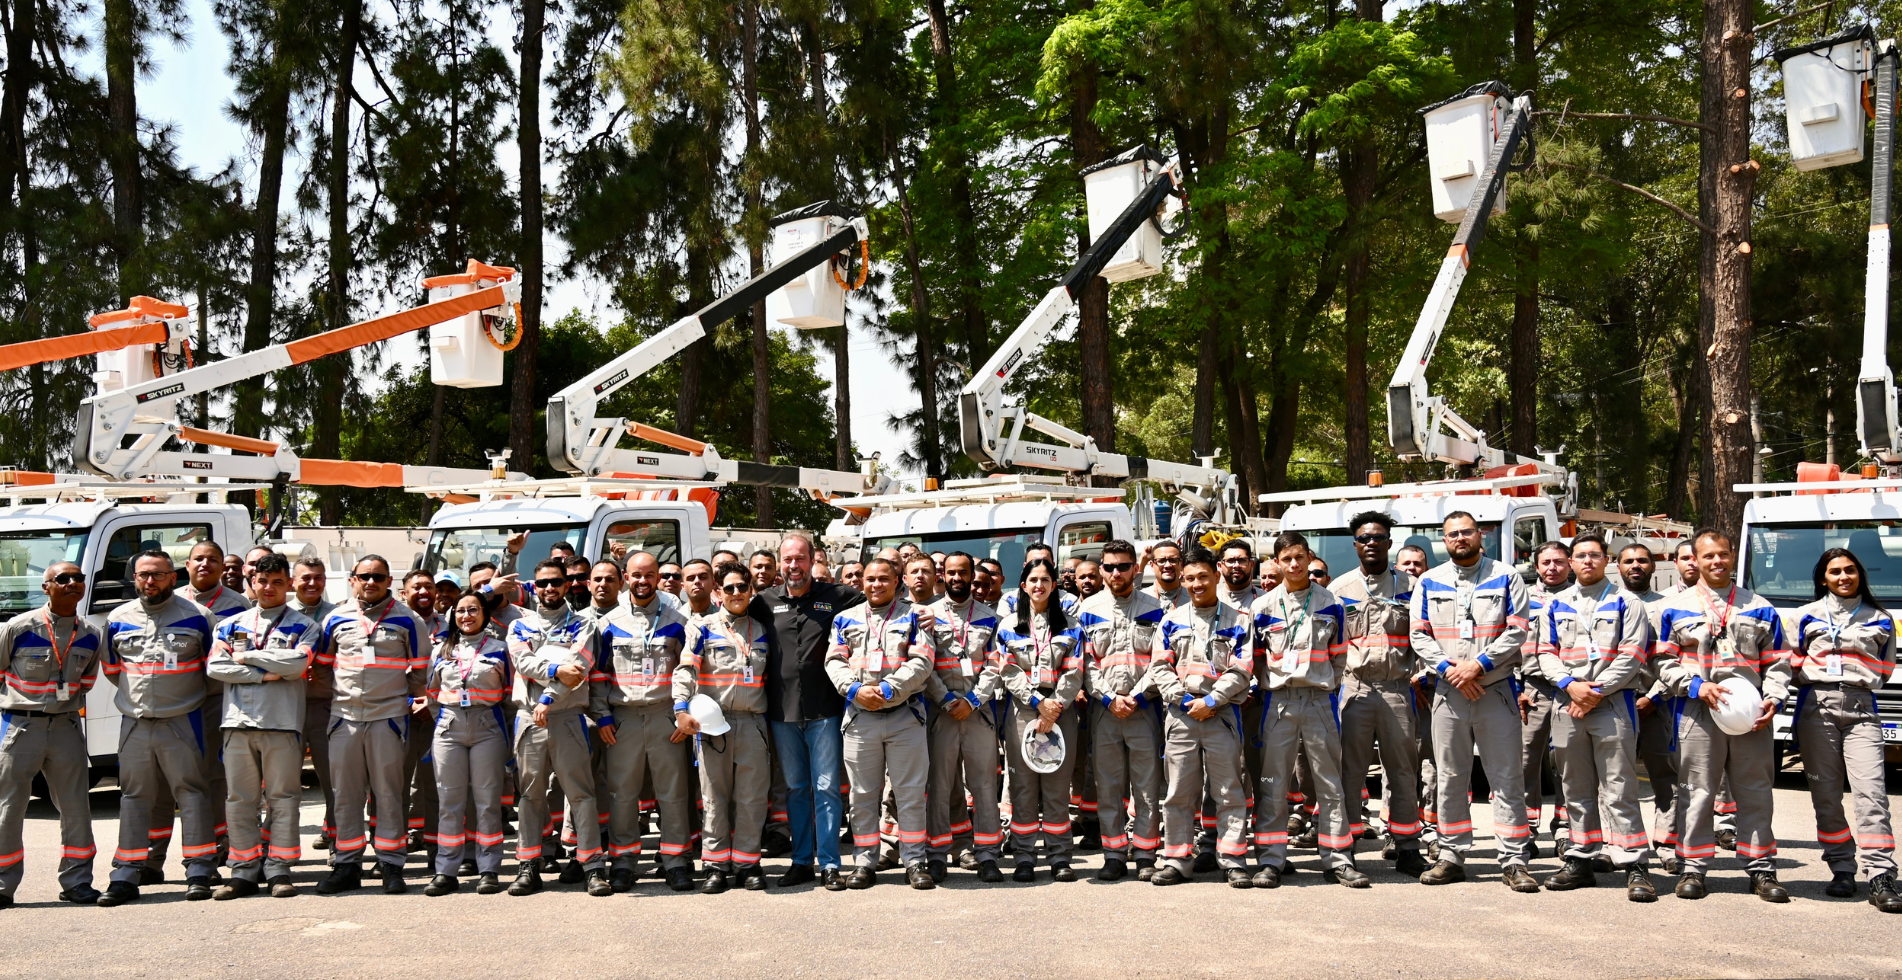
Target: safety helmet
[1043, 751]
[1743, 703]
[707, 712]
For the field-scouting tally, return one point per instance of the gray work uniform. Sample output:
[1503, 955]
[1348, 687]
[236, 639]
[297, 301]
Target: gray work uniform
[1655, 751]
[1377, 701]
[1476, 613]
[156, 654]
[1119, 640]
[640, 680]
[469, 680]
[735, 767]
[1703, 639]
[541, 643]
[887, 649]
[263, 734]
[1303, 653]
[317, 692]
[963, 753]
[376, 657]
[47, 664]
[1205, 654]
[1042, 665]
[1843, 652]
[1599, 637]
[1541, 708]
[224, 603]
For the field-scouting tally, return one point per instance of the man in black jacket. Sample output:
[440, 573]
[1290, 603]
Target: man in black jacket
[805, 710]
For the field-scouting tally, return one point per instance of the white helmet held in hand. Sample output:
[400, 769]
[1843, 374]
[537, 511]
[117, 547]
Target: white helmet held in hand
[707, 712]
[1742, 704]
[1043, 751]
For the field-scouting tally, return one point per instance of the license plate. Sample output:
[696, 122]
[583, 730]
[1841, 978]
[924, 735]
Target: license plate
[1892, 732]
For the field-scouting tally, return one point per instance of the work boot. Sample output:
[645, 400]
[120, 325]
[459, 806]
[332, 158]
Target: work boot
[1268, 876]
[1517, 878]
[1168, 875]
[1883, 894]
[887, 859]
[1691, 885]
[1767, 887]
[1310, 838]
[753, 878]
[1390, 850]
[1348, 875]
[861, 879]
[715, 883]
[920, 877]
[1433, 852]
[1025, 873]
[1443, 873]
[1638, 886]
[968, 861]
[118, 893]
[489, 884]
[150, 877]
[1574, 874]
[573, 873]
[680, 879]
[528, 881]
[346, 877]
[936, 868]
[1841, 886]
[1062, 872]
[989, 873]
[1297, 822]
[79, 895]
[393, 880]
[1113, 869]
[622, 879]
[1727, 839]
[598, 884]
[281, 887]
[1671, 865]
[416, 842]
[1205, 862]
[834, 879]
[235, 888]
[1602, 865]
[322, 843]
[1410, 863]
[775, 843]
[441, 885]
[466, 869]
[1237, 878]
[1145, 869]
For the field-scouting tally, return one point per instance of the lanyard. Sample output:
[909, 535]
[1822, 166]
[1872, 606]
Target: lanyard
[475, 656]
[52, 637]
[258, 620]
[215, 596]
[1597, 601]
[369, 628]
[1835, 631]
[964, 627]
[747, 649]
[877, 633]
[1722, 626]
[1307, 614]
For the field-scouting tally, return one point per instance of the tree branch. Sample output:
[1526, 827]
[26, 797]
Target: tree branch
[1641, 192]
[1779, 20]
[1630, 115]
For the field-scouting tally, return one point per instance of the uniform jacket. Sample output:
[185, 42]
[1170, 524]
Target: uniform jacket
[1375, 619]
[731, 665]
[1119, 641]
[1689, 654]
[964, 648]
[544, 641]
[33, 669]
[157, 656]
[1301, 638]
[1205, 653]
[1171, 600]
[1859, 637]
[884, 647]
[478, 665]
[376, 658]
[1599, 635]
[1497, 607]
[224, 603]
[318, 684]
[1043, 663]
[250, 645]
[638, 653]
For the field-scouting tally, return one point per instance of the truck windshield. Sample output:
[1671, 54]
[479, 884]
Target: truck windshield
[1336, 545]
[1783, 557]
[457, 549]
[24, 556]
[1007, 546]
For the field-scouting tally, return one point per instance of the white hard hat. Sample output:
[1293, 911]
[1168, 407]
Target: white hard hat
[1742, 705]
[1043, 751]
[707, 712]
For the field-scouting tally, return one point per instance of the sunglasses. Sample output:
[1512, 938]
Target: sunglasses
[550, 583]
[1372, 538]
[735, 588]
[670, 576]
[68, 578]
[577, 579]
[372, 577]
[1117, 566]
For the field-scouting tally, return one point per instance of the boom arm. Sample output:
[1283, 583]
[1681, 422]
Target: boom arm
[1875, 384]
[583, 443]
[1414, 416]
[146, 321]
[985, 411]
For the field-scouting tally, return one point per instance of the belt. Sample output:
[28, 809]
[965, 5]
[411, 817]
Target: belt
[12, 713]
[1836, 686]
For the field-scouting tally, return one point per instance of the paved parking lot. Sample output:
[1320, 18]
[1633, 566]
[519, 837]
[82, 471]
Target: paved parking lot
[1085, 929]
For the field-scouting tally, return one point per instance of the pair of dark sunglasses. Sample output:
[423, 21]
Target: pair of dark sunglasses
[577, 579]
[735, 588]
[670, 576]
[1117, 566]
[372, 577]
[68, 578]
[1372, 538]
[550, 583]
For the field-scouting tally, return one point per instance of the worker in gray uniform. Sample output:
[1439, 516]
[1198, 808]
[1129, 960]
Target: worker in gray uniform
[469, 680]
[1041, 668]
[553, 657]
[373, 645]
[1165, 560]
[1377, 698]
[155, 651]
[1552, 564]
[639, 696]
[260, 655]
[735, 765]
[963, 736]
[1240, 588]
[49, 659]
[1708, 634]
[1202, 669]
[419, 594]
[1120, 627]
[1300, 631]
[1635, 570]
[1469, 628]
[880, 660]
[1844, 650]
[308, 579]
[1593, 640]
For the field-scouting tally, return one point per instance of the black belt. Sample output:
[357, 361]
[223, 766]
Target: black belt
[10, 712]
[1836, 686]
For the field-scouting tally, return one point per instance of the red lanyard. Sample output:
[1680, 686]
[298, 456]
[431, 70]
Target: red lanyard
[369, 629]
[52, 637]
[746, 650]
[1705, 595]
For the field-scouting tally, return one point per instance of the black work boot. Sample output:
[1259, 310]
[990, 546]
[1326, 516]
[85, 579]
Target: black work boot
[1576, 873]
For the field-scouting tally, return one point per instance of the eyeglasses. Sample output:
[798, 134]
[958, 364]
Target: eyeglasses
[372, 577]
[1372, 538]
[1461, 532]
[68, 578]
[577, 579]
[670, 576]
[735, 588]
[550, 583]
[1235, 561]
[1117, 566]
[1172, 560]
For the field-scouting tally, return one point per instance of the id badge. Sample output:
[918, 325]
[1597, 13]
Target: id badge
[1727, 650]
[171, 653]
[746, 673]
[874, 661]
[1591, 647]
[1036, 676]
[465, 699]
[241, 642]
[647, 666]
[65, 690]
[1466, 629]
[1832, 665]
[964, 664]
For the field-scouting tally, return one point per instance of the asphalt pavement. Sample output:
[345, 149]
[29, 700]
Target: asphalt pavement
[1306, 928]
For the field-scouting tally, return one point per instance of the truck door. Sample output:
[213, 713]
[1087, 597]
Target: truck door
[1530, 529]
[628, 532]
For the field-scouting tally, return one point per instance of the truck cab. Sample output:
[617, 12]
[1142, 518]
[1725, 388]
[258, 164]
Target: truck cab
[614, 526]
[995, 519]
[102, 535]
[1511, 527]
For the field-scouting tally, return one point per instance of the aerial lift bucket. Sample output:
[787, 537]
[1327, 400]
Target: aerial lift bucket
[1823, 98]
[1460, 134]
[1109, 187]
[467, 352]
[816, 299]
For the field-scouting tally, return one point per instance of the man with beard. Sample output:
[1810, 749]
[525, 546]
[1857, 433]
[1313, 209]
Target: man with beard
[1089, 578]
[1119, 637]
[308, 580]
[419, 593]
[1552, 563]
[1636, 568]
[963, 741]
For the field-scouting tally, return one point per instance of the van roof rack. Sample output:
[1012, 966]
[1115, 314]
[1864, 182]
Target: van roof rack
[1433, 488]
[1820, 486]
[1015, 488]
[66, 488]
[570, 486]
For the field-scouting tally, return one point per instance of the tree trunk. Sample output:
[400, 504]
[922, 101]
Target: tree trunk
[528, 138]
[1725, 166]
[949, 111]
[331, 372]
[762, 338]
[927, 340]
[842, 399]
[22, 39]
[1522, 375]
[1098, 395]
[699, 292]
[1202, 427]
[122, 112]
[261, 296]
[1360, 170]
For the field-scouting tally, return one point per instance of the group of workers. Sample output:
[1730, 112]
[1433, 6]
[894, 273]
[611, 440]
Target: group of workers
[1206, 722]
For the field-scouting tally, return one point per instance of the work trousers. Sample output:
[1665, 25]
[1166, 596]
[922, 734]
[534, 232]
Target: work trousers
[1297, 722]
[263, 772]
[1660, 770]
[1491, 726]
[169, 754]
[1201, 755]
[736, 779]
[53, 746]
[963, 757]
[1841, 740]
[366, 765]
[1127, 757]
[1705, 757]
[644, 747]
[418, 778]
[471, 750]
[317, 743]
[1598, 770]
[1537, 732]
[1039, 801]
[558, 750]
[1377, 717]
[880, 745]
[164, 806]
